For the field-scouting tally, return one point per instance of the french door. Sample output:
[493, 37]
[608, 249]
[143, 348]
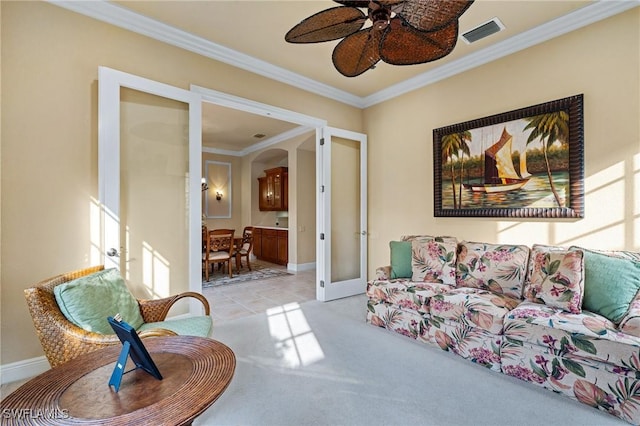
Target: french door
[149, 138]
[341, 158]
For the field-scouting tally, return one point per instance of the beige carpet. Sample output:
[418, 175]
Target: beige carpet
[319, 363]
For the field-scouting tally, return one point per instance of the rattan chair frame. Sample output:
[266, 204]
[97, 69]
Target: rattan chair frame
[62, 340]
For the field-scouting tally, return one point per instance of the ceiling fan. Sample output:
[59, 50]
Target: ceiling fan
[403, 32]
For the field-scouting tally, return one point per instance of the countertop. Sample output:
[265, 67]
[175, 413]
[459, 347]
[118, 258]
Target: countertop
[271, 227]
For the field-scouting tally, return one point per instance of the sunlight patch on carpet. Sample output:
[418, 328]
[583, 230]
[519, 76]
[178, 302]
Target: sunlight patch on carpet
[293, 338]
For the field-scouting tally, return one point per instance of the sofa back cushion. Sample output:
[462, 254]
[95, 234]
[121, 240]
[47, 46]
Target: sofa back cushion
[442, 238]
[434, 260]
[612, 281]
[556, 278]
[499, 268]
[88, 301]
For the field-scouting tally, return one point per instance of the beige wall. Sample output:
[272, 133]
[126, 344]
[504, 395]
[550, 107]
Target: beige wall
[601, 61]
[235, 222]
[50, 60]
[49, 139]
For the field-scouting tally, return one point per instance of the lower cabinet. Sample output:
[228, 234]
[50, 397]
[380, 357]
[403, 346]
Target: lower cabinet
[271, 245]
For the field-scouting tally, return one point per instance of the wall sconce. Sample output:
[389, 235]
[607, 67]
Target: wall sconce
[204, 184]
[218, 196]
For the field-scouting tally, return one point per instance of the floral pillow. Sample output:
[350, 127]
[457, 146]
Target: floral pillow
[499, 268]
[433, 260]
[556, 278]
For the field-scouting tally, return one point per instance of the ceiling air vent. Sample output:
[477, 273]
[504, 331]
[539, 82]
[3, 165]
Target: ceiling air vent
[484, 30]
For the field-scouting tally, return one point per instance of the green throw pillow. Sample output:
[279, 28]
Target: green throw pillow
[89, 300]
[610, 284]
[401, 259]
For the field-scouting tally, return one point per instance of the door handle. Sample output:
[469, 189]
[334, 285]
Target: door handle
[113, 252]
[363, 233]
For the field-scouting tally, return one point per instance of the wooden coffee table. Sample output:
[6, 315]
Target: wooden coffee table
[195, 371]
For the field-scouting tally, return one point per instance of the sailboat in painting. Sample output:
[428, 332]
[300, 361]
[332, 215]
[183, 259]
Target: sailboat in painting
[499, 172]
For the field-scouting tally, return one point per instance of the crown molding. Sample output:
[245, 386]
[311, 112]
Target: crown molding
[572, 21]
[119, 16]
[124, 18]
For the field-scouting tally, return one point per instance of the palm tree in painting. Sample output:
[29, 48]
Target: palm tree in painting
[450, 149]
[464, 140]
[550, 127]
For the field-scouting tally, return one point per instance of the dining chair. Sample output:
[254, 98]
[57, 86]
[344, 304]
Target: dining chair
[219, 250]
[243, 249]
[205, 234]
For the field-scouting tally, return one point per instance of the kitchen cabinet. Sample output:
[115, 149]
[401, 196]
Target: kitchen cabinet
[273, 190]
[271, 245]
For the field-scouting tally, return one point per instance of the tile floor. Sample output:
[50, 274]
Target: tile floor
[243, 299]
[252, 297]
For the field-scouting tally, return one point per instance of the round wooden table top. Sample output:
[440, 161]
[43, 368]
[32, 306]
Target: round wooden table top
[195, 372]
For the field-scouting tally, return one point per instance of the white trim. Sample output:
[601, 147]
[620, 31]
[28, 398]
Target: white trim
[264, 144]
[22, 370]
[298, 267]
[124, 18]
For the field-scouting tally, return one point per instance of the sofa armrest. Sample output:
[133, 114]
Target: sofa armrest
[383, 272]
[630, 323]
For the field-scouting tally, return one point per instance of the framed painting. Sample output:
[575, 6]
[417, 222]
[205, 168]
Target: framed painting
[524, 163]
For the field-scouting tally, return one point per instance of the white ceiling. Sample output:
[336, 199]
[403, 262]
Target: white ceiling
[250, 34]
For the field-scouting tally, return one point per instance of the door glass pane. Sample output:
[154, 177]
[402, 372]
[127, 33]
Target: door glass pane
[154, 164]
[345, 209]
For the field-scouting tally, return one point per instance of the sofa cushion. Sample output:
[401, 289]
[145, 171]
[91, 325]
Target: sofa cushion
[433, 261]
[576, 336]
[405, 294]
[400, 259]
[478, 308]
[499, 268]
[556, 278]
[88, 301]
[471, 343]
[611, 284]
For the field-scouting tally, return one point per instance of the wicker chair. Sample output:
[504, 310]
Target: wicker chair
[62, 340]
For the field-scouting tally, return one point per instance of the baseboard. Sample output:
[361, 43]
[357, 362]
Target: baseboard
[21, 370]
[301, 267]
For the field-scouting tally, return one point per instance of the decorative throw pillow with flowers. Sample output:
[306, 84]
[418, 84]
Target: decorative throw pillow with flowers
[556, 278]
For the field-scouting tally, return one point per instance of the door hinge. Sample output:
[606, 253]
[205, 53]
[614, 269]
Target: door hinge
[321, 141]
[322, 235]
[322, 283]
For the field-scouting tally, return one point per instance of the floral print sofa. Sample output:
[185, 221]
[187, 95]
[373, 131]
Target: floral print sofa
[565, 318]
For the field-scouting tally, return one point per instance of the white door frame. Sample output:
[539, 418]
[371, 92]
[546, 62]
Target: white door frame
[109, 83]
[328, 290]
[235, 102]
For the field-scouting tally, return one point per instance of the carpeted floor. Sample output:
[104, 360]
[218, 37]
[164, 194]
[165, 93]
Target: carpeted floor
[319, 363]
[258, 272]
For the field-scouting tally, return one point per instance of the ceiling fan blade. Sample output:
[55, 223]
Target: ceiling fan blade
[357, 53]
[430, 15]
[404, 45]
[330, 24]
[365, 3]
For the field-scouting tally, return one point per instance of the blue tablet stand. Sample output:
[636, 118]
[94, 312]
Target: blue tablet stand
[131, 347]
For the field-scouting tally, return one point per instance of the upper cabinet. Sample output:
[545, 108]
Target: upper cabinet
[273, 190]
